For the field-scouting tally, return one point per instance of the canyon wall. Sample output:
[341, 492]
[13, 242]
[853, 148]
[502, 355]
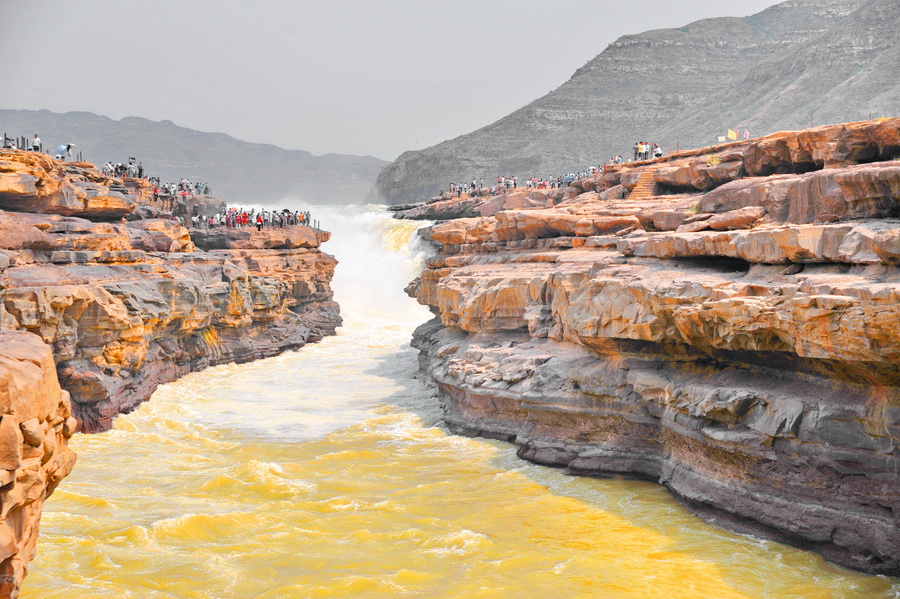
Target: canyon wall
[723, 321]
[109, 308]
[35, 425]
[129, 304]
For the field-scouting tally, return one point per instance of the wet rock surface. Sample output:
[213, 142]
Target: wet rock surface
[738, 344]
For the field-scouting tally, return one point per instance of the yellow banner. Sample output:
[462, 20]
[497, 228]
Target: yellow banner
[732, 135]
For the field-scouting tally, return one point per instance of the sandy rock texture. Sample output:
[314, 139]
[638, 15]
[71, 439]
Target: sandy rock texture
[129, 306]
[35, 426]
[284, 238]
[122, 322]
[34, 182]
[736, 342]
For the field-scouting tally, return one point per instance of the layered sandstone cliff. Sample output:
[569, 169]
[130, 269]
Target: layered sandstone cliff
[725, 321]
[35, 425]
[110, 308]
[129, 305]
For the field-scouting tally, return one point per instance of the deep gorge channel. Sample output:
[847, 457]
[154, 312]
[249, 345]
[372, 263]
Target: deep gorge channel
[325, 473]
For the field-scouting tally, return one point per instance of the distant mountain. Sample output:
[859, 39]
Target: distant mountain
[802, 61]
[235, 170]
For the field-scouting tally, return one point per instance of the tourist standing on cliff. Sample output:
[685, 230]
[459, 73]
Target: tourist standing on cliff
[36, 145]
[64, 151]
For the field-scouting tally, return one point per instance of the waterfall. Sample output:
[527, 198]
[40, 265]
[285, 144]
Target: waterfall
[378, 256]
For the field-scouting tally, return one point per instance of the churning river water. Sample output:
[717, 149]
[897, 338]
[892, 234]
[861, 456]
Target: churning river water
[324, 473]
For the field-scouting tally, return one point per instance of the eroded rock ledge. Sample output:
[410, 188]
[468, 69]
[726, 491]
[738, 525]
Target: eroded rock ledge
[108, 304]
[129, 305]
[35, 425]
[734, 334]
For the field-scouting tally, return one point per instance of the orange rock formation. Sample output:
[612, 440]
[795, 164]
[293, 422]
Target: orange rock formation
[124, 307]
[732, 333]
[35, 425]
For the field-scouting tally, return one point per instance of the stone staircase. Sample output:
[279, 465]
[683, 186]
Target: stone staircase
[646, 185]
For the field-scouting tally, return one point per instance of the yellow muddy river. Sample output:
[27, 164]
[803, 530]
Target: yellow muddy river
[324, 473]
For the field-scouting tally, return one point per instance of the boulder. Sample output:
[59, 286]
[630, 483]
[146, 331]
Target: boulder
[865, 142]
[515, 200]
[617, 192]
[33, 182]
[17, 234]
[444, 209]
[741, 218]
[667, 220]
[694, 226]
[160, 235]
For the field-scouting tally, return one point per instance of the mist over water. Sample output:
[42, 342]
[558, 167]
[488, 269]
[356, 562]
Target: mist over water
[323, 473]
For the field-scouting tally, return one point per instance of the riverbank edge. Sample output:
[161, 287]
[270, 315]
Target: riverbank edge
[720, 321]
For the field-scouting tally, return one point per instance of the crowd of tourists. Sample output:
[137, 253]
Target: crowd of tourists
[170, 192]
[131, 168]
[24, 143]
[642, 150]
[238, 218]
[166, 193]
[477, 188]
[559, 182]
[128, 169]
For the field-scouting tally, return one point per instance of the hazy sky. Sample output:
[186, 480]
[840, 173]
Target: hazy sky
[353, 77]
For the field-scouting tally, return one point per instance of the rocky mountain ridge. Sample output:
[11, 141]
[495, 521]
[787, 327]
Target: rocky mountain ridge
[802, 60]
[722, 321]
